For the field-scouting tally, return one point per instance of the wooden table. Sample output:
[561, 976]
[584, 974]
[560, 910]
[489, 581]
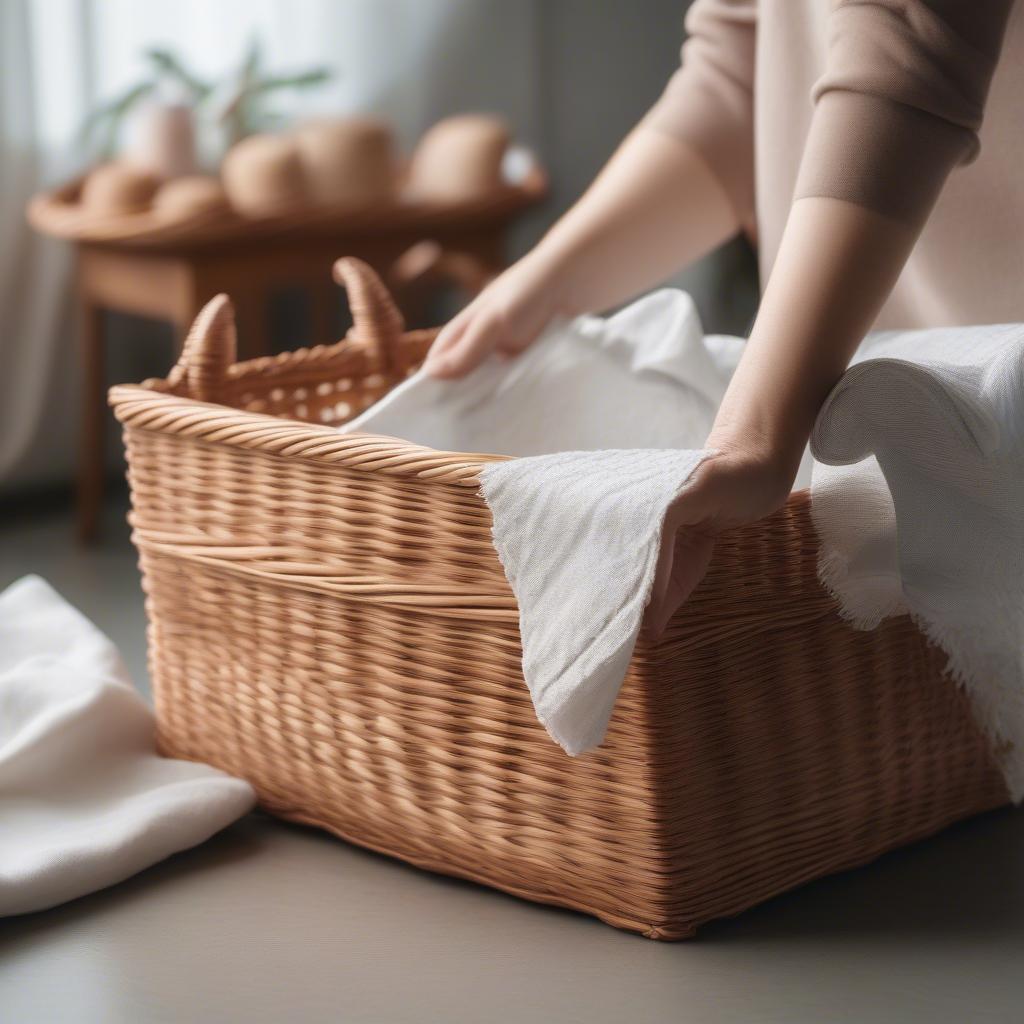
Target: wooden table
[169, 275]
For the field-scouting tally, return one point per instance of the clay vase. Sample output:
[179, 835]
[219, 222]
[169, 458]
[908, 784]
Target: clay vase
[164, 140]
[118, 188]
[459, 159]
[349, 162]
[191, 196]
[263, 174]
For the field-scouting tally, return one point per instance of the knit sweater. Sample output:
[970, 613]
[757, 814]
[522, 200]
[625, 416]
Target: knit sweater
[912, 108]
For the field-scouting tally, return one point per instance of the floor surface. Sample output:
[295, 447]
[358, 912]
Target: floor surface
[273, 923]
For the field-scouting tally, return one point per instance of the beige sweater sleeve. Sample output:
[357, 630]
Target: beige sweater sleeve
[901, 100]
[899, 105]
[709, 102]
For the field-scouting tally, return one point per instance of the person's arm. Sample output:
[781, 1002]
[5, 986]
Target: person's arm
[836, 265]
[654, 207]
[678, 186]
[899, 106]
[801, 341]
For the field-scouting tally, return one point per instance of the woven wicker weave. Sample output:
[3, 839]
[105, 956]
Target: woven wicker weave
[328, 619]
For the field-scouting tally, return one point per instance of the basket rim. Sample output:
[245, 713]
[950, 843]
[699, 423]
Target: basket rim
[164, 405]
[146, 407]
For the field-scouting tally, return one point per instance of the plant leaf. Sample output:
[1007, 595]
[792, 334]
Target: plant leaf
[168, 64]
[253, 60]
[112, 112]
[302, 80]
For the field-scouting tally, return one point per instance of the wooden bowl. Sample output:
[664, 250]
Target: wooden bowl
[191, 196]
[118, 188]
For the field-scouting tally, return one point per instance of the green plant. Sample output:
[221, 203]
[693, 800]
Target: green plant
[243, 110]
[100, 131]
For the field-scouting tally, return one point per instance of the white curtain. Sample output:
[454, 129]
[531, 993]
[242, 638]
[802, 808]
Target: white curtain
[42, 97]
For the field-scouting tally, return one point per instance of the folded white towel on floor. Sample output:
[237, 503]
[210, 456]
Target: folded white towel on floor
[84, 799]
[921, 508]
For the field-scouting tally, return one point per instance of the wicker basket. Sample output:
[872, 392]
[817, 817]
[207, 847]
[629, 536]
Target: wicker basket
[328, 619]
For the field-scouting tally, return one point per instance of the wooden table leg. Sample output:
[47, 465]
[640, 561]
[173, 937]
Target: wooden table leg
[251, 318]
[323, 312]
[91, 452]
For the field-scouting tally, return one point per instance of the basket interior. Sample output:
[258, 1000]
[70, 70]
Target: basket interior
[327, 385]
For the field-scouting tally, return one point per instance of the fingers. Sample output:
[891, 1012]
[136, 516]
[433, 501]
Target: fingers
[662, 575]
[477, 340]
[506, 317]
[687, 559]
[446, 339]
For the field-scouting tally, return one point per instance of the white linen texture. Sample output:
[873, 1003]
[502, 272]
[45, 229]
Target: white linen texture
[582, 581]
[84, 799]
[644, 378]
[917, 489]
[922, 507]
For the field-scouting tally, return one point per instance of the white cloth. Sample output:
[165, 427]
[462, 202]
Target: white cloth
[939, 534]
[578, 531]
[578, 535]
[920, 509]
[644, 378]
[84, 800]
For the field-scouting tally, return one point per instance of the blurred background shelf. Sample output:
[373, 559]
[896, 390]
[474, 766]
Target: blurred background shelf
[150, 265]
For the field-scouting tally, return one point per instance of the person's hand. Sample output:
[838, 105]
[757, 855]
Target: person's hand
[506, 317]
[732, 488]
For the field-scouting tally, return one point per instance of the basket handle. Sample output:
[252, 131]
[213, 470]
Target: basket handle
[209, 350]
[429, 261]
[375, 317]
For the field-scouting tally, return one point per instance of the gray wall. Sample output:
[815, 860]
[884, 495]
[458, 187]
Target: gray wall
[604, 63]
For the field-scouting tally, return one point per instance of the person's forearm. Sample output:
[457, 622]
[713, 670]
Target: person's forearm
[655, 208]
[836, 265]
[899, 104]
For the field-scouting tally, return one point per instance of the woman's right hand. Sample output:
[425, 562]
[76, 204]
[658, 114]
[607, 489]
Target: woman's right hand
[505, 318]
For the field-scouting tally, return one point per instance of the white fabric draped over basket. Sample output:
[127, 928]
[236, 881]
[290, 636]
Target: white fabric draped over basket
[613, 413]
[608, 419]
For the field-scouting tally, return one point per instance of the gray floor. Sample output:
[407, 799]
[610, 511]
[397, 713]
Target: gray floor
[273, 923]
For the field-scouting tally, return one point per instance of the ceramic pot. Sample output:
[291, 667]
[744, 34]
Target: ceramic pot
[164, 140]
